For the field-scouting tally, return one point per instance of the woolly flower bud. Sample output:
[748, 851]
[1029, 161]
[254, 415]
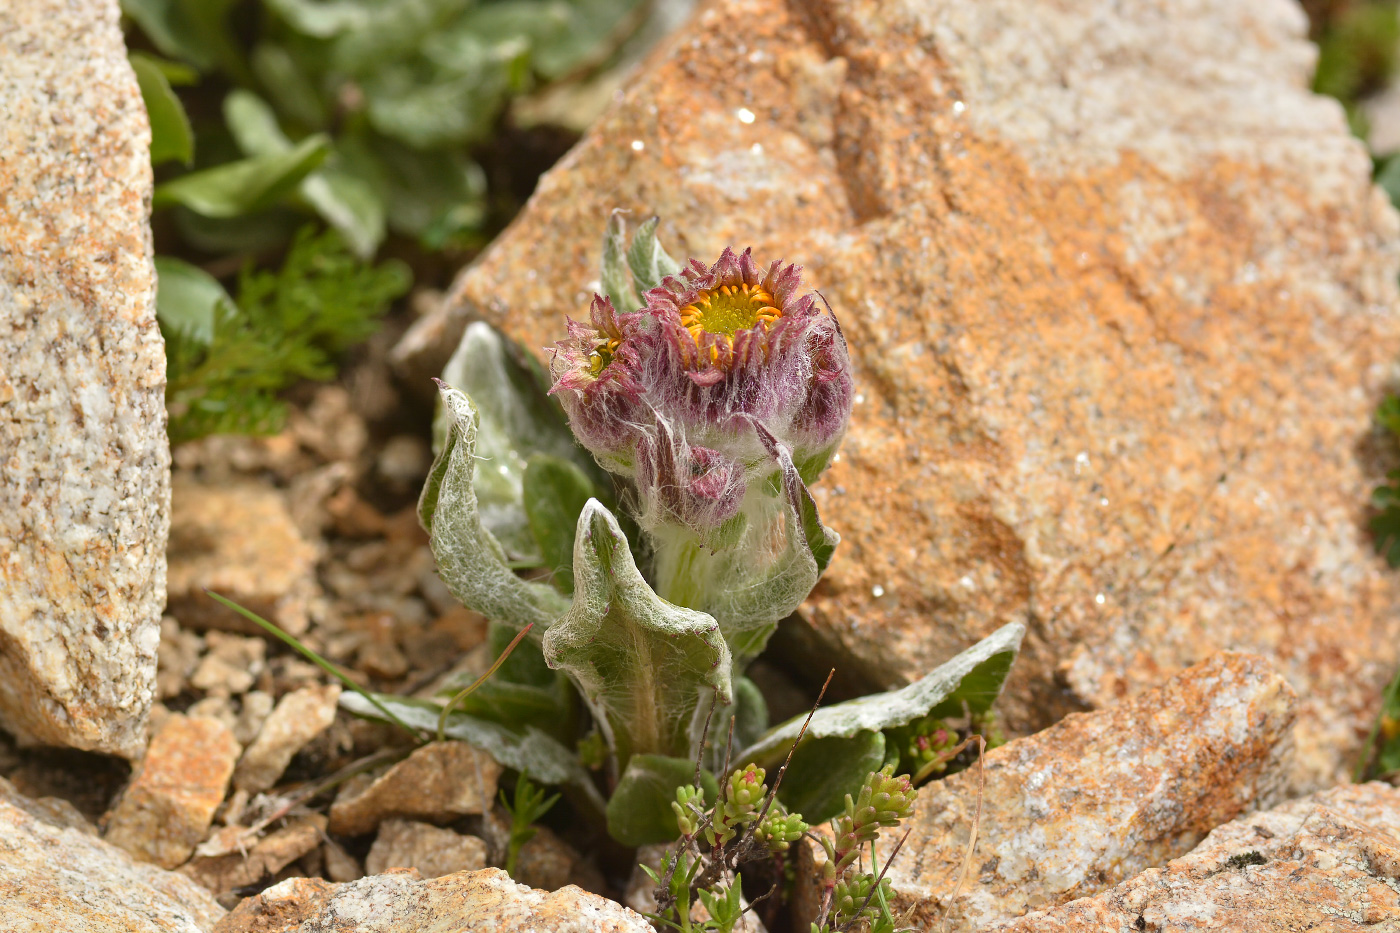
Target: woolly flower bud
[669, 395]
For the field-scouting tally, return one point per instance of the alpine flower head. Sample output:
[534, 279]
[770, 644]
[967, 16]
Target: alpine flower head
[673, 394]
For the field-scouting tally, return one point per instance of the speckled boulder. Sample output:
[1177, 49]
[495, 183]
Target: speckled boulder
[1120, 298]
[84, 462]
[1326, 862]
[1092, 800]
[399, 902]
[57, 876]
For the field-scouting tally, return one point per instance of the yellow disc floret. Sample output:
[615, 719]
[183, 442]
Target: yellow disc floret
[729, 309]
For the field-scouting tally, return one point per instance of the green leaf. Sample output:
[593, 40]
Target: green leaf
[285, 79]
[323, 19]
[555, 492]
[547, 760]
[517, 420]
[187, 298]
[195, 31]
[647, 260]
[347, 203]
[563, 37]
[639, 811]
[973, 678]
[1385, 526]
[642, 664]
[437, 196]
[616, 276]
[470, 559]
[825, 770]
[247, 185]
[171, 136]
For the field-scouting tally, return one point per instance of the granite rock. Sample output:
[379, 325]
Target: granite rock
[297, 718]
[432, 851]
[1326, 862]
[1120, 298]
[238, 539]
[173, 794]
[63, 879]
[437, 782]
[84, 461]
[1092, 800]
[399, 902]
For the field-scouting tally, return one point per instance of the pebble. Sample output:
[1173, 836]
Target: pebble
[429, 849]
[170, 802]
[298, 718]
[438, 782]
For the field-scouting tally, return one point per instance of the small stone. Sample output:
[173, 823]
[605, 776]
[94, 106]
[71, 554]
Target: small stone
[56, 875]
[403, 461]
[329, 426]
[400, 902]
[1096, 798]
[231, 664]
[84, 459]
[252, 714]
[340, 865]
[433, 851]
[438, 782]
[172, 797]
[298, 718]
[218, 708]
[1330, 861]
[220, 874]
[176, 658]
[239, 540]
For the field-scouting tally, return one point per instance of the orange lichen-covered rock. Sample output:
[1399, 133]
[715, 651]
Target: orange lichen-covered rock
[1094, 799]
[1326, 862]
[1120, 297]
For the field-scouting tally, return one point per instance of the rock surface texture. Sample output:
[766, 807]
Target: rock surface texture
[167, 808]
[56, 875]
[1094, 799]
[1120, 297]
[440, 781]
[84, 462]
[1326, 862]
[399, 902]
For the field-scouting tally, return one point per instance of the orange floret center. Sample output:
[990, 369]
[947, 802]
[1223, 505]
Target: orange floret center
[603, 352]
[728, 309]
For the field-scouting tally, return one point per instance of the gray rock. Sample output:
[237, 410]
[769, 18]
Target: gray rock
[63, 879]
[1326, 862]
[399, 902]
[84, 461]
[298, 718]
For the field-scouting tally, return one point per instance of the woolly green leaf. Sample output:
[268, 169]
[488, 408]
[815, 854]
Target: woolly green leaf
[171, 136]
[616, 278]
[555, 492]
[186, 298]
[747, 588]
[517, 420]
[470, 559]
[825, 770]
[647, 260]
[639, 811]
[642, 664]
[548, 761]
[247, 185]
[973, 678]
